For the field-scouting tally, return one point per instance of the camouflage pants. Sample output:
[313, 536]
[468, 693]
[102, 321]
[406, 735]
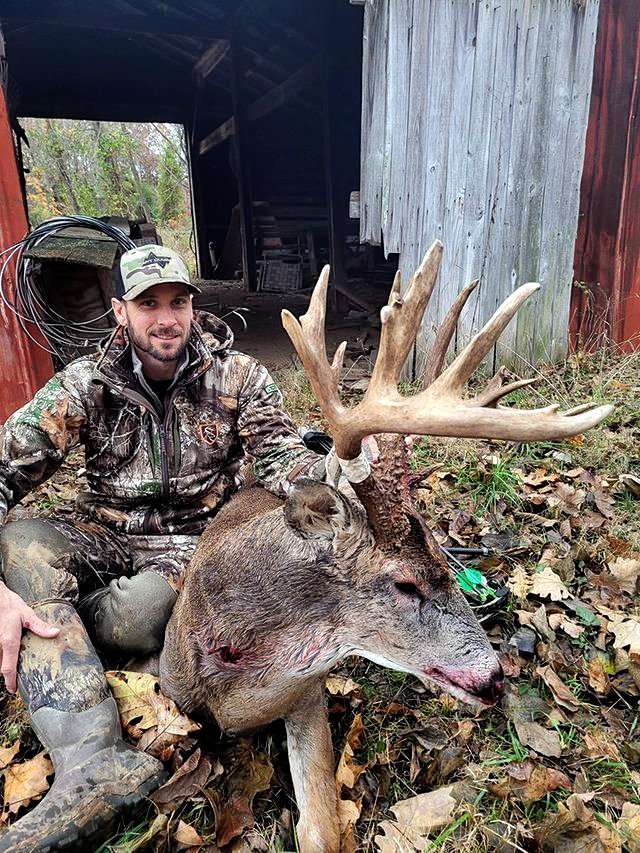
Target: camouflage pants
[65, 558]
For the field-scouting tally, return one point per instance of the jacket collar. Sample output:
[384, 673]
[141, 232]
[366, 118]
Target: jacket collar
[209, 337]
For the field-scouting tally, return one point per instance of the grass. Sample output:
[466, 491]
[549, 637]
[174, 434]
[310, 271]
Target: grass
[486, 479]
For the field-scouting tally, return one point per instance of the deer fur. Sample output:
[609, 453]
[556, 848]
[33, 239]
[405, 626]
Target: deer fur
[278, 594]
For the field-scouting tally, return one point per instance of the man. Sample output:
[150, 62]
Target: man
[166, 413]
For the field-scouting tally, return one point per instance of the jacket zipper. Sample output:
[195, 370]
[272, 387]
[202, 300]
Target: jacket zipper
[162, 424]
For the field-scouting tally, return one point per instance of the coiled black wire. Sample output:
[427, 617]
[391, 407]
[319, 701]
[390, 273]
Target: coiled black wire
[28, 304]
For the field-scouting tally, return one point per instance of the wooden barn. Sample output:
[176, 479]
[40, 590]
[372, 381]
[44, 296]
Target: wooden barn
[507, 129]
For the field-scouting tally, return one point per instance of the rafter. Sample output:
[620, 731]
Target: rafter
[270, 101]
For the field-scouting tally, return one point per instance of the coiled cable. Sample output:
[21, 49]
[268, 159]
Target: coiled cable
[28, 304]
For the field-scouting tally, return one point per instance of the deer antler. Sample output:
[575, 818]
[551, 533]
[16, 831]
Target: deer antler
[440, 409]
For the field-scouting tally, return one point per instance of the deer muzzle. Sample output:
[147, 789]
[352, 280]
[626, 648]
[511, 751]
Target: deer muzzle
[469, 685]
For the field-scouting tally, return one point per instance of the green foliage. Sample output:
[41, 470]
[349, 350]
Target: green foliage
[169, 181]
[107, 168]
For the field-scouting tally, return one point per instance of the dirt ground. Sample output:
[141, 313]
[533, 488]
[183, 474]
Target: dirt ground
[264, 336]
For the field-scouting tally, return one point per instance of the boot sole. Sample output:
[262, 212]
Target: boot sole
[97, 830]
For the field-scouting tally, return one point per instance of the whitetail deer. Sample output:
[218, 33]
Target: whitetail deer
[277, 594]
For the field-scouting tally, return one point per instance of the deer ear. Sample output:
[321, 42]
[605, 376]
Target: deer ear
[315, 510]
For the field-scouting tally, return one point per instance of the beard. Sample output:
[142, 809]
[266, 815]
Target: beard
[147, 345]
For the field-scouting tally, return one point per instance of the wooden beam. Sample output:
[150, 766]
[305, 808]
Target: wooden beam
[13, 13]
[211, 58]
[241, 155]
[333, 171]
[270, 101]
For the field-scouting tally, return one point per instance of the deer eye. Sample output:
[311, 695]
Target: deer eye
[410, 590]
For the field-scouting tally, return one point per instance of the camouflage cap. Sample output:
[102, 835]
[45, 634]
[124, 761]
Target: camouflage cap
[146, 266]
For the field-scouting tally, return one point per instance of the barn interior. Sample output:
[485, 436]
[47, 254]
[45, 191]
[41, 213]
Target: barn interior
[269, 95]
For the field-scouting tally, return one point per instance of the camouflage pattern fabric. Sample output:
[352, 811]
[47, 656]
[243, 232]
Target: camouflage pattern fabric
[153, 473]
[62, 559]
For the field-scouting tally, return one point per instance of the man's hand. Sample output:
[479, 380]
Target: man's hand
[15, 616]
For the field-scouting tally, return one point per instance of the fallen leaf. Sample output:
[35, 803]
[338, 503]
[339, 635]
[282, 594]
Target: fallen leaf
[599, 744]
[339, 685]
[542, 740]
[574, 829]
[556, 685]
[547, 584]
[349, 771]
[626, 571]
[540, 622]
[187, 836]
[348, 814]
[631, 482]
[8, 753]
[147, 714]
[24, 783]
[627, 633]
[598, 676]
[186, 782]
[531, 781]
[519, 583]
[568, 499]
[629, 826]
[604, 502]
[415, 819]
[252, 774]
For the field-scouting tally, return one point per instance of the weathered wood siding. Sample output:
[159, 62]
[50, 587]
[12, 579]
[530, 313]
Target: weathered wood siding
[474, 115]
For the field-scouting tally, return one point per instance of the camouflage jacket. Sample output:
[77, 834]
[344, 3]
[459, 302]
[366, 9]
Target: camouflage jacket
[151, 471]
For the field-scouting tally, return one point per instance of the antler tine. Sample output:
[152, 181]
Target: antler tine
[401, 319]
[438, 352]
[495, 389]
[308, 337]
[440, 409]
[452, 380]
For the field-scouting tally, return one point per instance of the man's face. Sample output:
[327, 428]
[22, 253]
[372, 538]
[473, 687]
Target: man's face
[158, 321]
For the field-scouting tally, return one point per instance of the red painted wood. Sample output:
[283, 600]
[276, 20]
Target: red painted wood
[24, 367]
[605, 305]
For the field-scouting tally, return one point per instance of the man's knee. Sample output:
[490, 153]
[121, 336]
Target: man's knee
[133, 614]
[30, 548]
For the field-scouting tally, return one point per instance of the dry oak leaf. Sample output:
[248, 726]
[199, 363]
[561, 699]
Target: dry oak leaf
[627, 633]
[252, 774]
[143, 706]
[626, 571]
[415, 819]
[547, 584]
[348, 815]
[24, 783]
[339, 685]
[519, 583]
[542, 740]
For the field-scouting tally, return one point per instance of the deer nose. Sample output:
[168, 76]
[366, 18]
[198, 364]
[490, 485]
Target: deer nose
[491, 689]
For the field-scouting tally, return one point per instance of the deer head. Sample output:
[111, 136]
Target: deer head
[419, 620]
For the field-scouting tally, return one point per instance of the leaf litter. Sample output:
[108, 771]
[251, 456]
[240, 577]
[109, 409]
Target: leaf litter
[555, 767]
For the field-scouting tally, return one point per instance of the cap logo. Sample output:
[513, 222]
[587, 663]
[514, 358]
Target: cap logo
[152, 258]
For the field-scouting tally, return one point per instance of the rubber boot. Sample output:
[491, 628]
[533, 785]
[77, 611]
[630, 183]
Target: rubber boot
[130, 615]
[98, 777]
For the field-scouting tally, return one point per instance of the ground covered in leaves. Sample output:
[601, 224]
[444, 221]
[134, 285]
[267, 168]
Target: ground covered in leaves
[554, 579]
